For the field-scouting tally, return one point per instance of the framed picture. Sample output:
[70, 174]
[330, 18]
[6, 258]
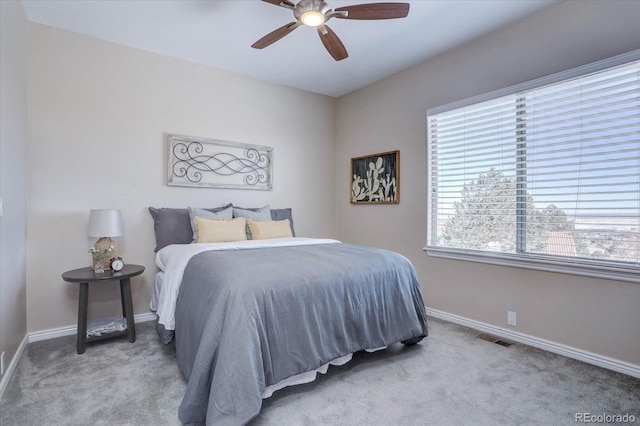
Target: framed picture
[375, 179]
[211, 163]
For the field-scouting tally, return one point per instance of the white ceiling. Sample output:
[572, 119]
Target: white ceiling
[219, 33]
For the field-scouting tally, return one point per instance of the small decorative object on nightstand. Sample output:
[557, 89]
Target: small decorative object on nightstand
[84, 276]
[104, 224]
[116, 264]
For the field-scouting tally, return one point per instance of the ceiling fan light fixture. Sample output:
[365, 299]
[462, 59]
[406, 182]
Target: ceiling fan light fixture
[312, 18]
[316, 13]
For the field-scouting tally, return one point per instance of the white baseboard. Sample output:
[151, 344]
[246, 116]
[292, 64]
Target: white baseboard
[568, 351]
[12, 365]
[72, 329]
[579, 354]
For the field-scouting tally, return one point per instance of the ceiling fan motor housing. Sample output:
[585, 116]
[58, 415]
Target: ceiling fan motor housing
[309, 6]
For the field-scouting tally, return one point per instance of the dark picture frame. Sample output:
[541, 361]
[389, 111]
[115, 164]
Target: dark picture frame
[375, 178]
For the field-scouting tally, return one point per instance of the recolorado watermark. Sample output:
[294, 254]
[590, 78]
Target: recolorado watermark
[604, 418]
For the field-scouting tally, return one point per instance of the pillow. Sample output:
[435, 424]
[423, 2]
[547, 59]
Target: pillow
[220, 230]
[221, 214]
[261, 229]
[282, 214]
[262, 213]
[173, 226]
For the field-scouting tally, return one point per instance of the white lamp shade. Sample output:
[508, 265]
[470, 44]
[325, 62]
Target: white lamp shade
[105, 223]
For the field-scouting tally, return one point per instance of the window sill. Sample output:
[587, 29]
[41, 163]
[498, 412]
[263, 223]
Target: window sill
[564, 266]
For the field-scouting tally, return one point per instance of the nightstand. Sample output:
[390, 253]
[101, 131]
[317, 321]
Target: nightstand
[84, 276]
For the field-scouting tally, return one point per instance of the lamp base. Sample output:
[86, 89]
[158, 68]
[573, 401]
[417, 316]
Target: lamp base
[108, 246]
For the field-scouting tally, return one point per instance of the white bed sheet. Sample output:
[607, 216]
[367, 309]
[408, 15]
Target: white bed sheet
[155, 294]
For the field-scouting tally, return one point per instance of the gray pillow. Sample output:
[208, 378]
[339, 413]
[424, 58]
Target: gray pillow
[282, 214]
[261, 213]
[173, 226]
[226, 213]
[275, 214]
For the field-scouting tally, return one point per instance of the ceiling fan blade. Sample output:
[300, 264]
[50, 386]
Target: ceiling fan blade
[278, 2]
[274, 36]
[374, 11]
[332, 43]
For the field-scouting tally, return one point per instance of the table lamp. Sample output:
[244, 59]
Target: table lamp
[104, 224]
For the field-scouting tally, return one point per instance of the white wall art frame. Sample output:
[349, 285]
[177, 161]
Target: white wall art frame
[210, 163]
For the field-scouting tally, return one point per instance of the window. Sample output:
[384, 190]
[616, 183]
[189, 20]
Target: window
[545, 174]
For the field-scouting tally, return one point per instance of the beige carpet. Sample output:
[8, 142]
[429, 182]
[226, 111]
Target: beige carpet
[450, 378]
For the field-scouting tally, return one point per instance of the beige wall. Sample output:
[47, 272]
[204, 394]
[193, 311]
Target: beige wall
[99, 114]
[13, 176]
[591, 314]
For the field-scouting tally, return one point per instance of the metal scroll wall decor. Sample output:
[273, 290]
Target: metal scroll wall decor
[217, 164]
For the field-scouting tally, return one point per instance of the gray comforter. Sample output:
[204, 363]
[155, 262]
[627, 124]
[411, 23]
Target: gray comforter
[248, 319]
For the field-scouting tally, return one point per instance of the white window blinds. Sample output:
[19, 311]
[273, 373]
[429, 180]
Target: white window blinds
[545, 172]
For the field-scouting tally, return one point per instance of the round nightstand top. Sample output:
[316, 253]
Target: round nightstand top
[83, 275]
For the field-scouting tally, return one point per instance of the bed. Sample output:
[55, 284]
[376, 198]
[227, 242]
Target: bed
[252, 316]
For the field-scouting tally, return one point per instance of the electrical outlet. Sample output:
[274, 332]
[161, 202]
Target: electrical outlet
[2, 364]
[511, 318]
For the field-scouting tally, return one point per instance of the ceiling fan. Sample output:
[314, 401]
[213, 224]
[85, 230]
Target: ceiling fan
[316, 13]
